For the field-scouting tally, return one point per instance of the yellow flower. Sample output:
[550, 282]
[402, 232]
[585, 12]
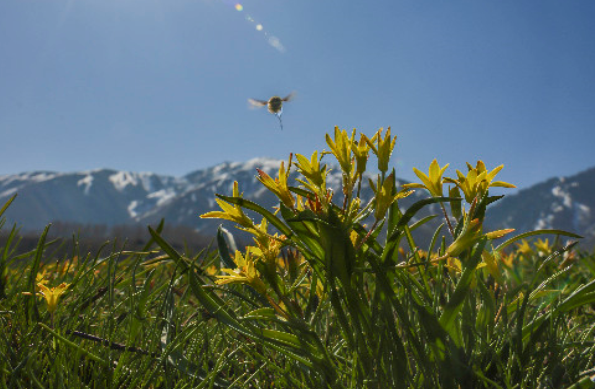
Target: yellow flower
[543, 247]
[52, 295]
[315, 181]
[341, 148]
[260, 231]
[311, 169]
[360, 150]
[354, 238]
[244, 273]
[433, 181]
[230, 212]
[211, 270]
[268, 247]
[279, 185]
[320, 292]
[40, 278]
[384, 149]
[383, 197]
[299, 203]
[495, 261]
[524, 249]
[69, 265]
[492, 264]
[507, 259]
[454, 265]
[477, 181]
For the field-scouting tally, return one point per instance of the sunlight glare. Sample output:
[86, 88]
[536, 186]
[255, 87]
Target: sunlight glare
[273, 41]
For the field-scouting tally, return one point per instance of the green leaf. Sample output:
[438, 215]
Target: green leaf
[7, 204]
[583, 383]
[32, 307]
[302, 192]
[583, 295]
[421, 222]
[261, 314]
[533, 233]
[394, 213]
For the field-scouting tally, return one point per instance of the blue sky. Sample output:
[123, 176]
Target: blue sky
[162, 85]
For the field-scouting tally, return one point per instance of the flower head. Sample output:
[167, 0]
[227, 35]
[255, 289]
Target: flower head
[477, 181]
[244, 273]
[315, 176]
[279, 185]
[383, 148]
[433, 181]
[230, 212]
[543, 247]
[341, 148]
[311, 169]
[383, 195]
[360, 150]
[524, 249]
[52, 295]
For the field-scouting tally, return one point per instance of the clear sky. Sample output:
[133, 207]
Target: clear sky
[162, 85]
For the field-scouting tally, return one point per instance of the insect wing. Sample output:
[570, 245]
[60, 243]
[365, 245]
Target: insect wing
[289, 97]
[253, 103]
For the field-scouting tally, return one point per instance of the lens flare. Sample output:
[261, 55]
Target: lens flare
[276, 43]
[272, 40]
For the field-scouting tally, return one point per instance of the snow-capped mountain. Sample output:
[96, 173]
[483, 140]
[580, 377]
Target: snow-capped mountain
[566, 203]
[113, 197]
[99, 196]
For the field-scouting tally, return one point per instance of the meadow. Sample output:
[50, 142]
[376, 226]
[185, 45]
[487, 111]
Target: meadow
[331, 293]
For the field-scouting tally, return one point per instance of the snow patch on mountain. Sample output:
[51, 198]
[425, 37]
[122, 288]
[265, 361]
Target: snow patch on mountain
[8, 192]
[581, 215]
[266, 164]
[544, 222]
[162, 196]
[39, 176]
[122, 179]
[131, 208]
[562, 194]
[86, 182]
[25, 178]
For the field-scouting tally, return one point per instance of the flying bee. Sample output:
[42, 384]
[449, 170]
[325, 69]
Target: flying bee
[274, 105]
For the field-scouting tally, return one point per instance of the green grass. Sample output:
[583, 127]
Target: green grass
[339, 296]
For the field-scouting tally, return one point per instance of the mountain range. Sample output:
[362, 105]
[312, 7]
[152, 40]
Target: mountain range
[112, 197]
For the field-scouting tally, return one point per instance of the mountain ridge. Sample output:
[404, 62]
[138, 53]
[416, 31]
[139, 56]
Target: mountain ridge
[113, 197]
